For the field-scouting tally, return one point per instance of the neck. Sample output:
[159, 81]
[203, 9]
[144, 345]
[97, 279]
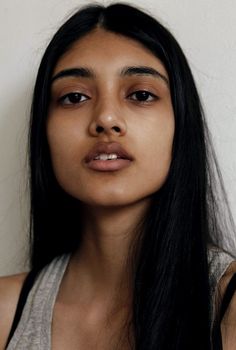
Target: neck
[102, 260]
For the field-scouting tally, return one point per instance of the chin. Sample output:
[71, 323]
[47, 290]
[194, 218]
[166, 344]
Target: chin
[111, 202]
[107, 196]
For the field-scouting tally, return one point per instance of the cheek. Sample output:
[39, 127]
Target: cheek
[155, 145]
[64, 135]
[64, 143]
[157, 159]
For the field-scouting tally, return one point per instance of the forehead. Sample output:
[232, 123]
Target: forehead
[105, 51]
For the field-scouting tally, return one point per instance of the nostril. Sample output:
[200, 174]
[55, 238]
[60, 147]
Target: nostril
[116, 128]
[99, 129]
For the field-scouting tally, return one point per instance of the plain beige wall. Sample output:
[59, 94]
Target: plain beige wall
[206, 29]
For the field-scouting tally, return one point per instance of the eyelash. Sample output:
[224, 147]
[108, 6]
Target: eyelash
[77, 95]
[70, 96]
[153, 97]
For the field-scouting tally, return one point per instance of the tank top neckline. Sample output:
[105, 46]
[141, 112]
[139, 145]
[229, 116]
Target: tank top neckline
[34, 330]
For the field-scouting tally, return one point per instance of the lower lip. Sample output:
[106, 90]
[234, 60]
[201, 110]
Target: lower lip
[108, 165]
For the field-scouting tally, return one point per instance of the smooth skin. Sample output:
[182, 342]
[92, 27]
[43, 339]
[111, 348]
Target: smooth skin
[111, 102]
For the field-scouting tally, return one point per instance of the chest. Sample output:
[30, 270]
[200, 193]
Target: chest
[72, 328]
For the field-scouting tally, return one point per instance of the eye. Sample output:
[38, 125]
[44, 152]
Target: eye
[143, 96]
[73, 98]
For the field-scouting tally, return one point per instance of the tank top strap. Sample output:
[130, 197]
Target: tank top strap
[34, 328]
[27, 285]
[218, 260]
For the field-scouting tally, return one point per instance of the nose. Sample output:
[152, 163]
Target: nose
[107, 119]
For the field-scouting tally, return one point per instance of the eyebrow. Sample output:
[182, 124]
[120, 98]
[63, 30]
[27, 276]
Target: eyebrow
[143, 70]
[126, 71]
[74, 72]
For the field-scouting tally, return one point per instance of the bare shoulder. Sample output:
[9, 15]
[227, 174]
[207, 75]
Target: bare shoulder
[228, 324]
[10, 287]
[224, 281]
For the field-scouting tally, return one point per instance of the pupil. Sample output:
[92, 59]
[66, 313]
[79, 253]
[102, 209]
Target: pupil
[74, 97]
[142, 95]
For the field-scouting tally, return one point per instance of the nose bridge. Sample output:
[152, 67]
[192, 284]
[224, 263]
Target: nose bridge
[106, 108]
[107, 114]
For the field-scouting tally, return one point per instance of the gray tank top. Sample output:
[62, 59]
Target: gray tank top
[34, 329]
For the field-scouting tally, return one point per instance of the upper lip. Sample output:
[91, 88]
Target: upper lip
[108, 148]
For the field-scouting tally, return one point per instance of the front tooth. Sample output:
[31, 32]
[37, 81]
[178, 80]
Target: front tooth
[112, 156]
[103, 156]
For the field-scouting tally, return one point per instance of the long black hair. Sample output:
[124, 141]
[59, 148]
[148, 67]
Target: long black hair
[171, 292]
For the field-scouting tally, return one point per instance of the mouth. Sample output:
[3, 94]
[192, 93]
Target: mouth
[106, 156]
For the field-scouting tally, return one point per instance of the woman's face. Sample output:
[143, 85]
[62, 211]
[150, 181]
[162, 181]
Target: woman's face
[111, 124]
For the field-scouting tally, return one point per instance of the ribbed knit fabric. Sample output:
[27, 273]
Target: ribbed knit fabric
[218, 261]
[34, 329]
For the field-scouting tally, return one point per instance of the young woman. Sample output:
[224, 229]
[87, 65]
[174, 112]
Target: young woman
[125, 226]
